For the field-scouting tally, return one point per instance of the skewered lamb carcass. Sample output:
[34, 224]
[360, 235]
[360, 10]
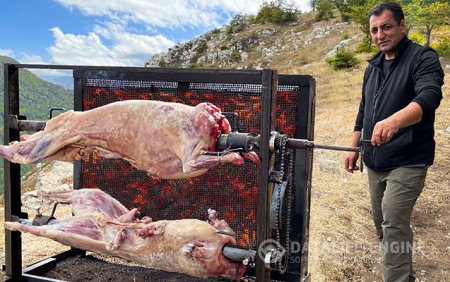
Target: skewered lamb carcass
[101, 224]
[167, 140]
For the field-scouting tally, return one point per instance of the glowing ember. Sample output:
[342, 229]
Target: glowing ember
[231, 190]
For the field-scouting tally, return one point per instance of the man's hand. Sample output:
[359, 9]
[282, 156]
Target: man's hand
[352, 157]
[384, 130]
[350, 161]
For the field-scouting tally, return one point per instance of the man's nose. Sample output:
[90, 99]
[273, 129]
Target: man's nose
[380, 33]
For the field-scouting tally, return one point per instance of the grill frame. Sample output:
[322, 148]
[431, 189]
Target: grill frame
[268, 81]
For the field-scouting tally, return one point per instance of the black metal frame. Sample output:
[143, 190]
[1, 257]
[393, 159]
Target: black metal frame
[303, 168]
[266, 78]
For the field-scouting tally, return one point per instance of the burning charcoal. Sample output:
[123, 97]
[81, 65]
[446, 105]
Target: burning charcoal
[103, 225]
[167, 140]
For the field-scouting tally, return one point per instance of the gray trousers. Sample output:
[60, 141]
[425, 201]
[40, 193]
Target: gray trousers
[393, 195]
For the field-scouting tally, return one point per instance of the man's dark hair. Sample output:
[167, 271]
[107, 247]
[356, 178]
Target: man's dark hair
[395, 8]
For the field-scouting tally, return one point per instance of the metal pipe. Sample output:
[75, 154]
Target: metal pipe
[31, 125]
[246, 142]
[17, 122]
[39, 221]
[239, 255]
[303, 144]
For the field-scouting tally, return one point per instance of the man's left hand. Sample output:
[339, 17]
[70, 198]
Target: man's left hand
[383, 131]
[386, 128]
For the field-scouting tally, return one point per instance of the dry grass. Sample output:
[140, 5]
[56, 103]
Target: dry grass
[35, 249]
[343, 246]
[343, 243]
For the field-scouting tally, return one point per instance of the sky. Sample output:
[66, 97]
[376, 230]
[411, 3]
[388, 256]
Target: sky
[109, 32]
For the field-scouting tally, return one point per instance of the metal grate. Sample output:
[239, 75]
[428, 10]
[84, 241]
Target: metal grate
[231, 190]
[234, 191]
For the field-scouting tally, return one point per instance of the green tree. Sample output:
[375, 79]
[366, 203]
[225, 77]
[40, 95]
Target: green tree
[358, 13]
[427, 15]
[276, 11]
[324, 9]
[237, 23]
[345, 6]
[442, 46]
[313, 4]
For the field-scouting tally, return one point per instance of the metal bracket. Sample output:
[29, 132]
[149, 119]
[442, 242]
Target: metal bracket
[41, 219]
[50, 114]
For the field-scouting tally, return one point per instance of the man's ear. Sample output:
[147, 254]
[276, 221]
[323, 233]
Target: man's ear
[403, 26]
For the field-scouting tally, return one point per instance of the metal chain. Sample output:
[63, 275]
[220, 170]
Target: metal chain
[283, 152]
[277, 209]
[289, 191]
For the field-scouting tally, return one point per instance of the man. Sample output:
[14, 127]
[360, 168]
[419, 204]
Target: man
[395, 122]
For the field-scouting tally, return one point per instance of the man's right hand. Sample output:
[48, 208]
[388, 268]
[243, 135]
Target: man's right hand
[350, 162]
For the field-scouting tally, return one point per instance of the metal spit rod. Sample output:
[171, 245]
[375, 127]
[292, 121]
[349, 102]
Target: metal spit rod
[225, 141]
[247, 142]
[236, 254]
[231, 252]
[303, 143]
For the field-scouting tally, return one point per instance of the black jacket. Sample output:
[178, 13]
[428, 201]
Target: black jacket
[414, 75]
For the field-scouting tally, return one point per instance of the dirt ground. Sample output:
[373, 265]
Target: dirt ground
[342, 237]
[344, 246]
[99, 268]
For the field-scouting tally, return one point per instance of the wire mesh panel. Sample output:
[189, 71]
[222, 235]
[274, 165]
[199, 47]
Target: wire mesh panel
[232, 190]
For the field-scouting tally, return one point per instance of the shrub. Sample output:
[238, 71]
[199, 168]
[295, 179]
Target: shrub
[343, 59]
[162, 63]
[194, 65]
[324, 10]
[366, 46]
[309, 23]
[442, 46]
[276, 11]
[237, 24]
[345, 36]
[235, 56]
[201, 48]
[417, 37]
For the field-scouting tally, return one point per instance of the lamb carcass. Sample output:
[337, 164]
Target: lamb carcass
[167, 140]
[101, 224]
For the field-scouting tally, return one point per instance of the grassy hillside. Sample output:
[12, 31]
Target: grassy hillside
[343, 245]
[37, 97]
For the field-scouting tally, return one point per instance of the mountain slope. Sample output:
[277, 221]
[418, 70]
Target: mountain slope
[343, 245]
[37, 97]
[279, 46]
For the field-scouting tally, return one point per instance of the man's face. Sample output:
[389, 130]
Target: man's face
[386, 32]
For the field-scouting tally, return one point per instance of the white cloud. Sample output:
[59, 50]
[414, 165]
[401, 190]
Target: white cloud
[115, 42]
[127, 49]
[31, 59]
[7, 52]
[127, 31]
[172, 14]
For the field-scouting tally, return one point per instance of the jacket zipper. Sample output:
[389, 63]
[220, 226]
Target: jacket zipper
[375, 105]
[377, 95]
